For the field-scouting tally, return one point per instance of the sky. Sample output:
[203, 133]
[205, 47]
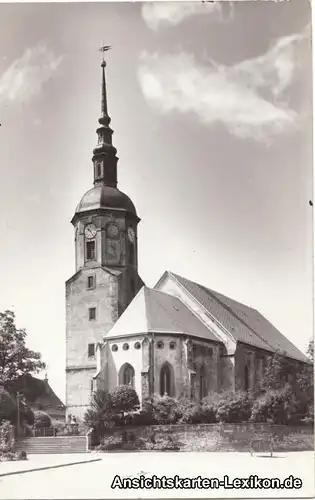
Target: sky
[211, 106]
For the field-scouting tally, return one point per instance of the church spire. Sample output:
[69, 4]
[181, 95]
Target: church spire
[105, 119]
[104, 154]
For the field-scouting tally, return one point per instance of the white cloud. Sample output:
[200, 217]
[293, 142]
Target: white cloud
[26, 76]
[158, 14]
[248, 97]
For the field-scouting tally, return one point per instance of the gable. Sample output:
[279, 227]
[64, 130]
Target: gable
[169, 285]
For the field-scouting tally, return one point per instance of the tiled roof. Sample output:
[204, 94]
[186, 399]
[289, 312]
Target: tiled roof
[155, 311]
[244, 323]
[168, 313]
[38, 391]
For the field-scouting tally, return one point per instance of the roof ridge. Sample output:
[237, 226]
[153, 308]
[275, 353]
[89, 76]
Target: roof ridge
[146, 305]
[215, 320]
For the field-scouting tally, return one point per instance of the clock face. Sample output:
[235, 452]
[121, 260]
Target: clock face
[90, 231]
[131, 234]
[112, 231]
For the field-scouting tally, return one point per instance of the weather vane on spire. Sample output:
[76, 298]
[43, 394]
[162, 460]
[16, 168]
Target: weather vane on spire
[103, 49]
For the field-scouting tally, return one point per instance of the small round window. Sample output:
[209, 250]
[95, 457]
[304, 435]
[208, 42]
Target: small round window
[114, 347]
[160, 344]
[172, 345]
[126, 347]
[137, 345]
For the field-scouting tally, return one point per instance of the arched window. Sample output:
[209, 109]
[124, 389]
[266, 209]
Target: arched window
[127, 375]
[202, 383]
[246, 378]
[166, 380]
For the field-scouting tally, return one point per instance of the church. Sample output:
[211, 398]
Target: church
[178, 338]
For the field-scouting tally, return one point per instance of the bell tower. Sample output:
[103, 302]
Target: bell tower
[106, 265]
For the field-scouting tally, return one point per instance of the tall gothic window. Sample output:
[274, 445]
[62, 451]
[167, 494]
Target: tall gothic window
[202, 383]
[166, 380]
[127, 375]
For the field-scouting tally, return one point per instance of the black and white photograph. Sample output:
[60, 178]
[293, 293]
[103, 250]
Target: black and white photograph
[157, 250]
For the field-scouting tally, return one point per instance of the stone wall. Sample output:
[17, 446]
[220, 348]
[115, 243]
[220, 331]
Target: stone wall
[232, 437]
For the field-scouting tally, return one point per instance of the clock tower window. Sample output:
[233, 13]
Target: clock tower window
[90, 250]
[98, 169]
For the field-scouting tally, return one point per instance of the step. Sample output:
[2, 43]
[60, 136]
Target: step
[58, 444]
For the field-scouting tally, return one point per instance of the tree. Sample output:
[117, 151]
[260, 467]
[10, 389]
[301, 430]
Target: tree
[305, 384]
[42, 419]
[15, 358]
[276, 372]
[124, 399]
[310, 351]
[99, 415]
[279, 406]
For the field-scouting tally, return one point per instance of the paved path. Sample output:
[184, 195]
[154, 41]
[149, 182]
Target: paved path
[45, 461]
[93, 480]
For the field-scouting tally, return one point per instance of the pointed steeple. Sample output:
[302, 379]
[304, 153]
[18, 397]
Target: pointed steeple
[105, 119]
[104, 154]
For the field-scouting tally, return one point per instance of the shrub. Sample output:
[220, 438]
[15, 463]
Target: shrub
[162, 442]
[231, 407]
[41, 419]
[192, 413]
[124, 399]
[277, 407]
[6, 437]
[110, 443]
[11, 456]
[21, 455]
[165, 410]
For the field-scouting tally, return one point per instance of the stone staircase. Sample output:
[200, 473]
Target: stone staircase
[58, 444]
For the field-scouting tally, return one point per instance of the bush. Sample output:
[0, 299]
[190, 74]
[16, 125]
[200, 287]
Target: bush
[124, 399]
[160, 442]
[231, 407]
[41, 419]
[276, 407]
[192, 413]
[21, 455]
[10, 456]
[164, 409]
[6, 437]
[110, 443]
